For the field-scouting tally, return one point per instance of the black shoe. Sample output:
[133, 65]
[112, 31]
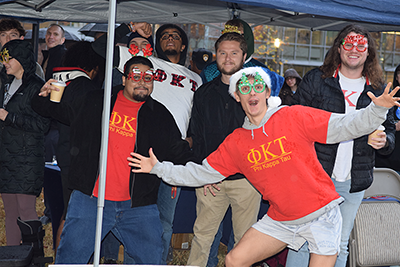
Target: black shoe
[110, 261]
[170, 255]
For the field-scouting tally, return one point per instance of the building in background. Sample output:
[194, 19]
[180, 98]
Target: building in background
[280, 48]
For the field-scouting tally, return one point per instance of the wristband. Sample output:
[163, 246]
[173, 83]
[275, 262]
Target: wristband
[131, 26]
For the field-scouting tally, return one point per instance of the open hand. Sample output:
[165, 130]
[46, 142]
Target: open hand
[142, 163]
[211, 187]
[387, 99]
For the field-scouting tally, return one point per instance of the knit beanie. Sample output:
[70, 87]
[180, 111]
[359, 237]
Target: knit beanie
[135, 34]
[249, 37]
[22, 51]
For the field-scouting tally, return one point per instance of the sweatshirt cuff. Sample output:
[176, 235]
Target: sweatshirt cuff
[381, 111]
[157, 169]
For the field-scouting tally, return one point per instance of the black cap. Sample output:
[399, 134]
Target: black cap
[201, 57]
[135, 34]
[22, 51]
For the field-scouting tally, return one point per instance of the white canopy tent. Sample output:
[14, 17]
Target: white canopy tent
[327, 15]
[311, 14]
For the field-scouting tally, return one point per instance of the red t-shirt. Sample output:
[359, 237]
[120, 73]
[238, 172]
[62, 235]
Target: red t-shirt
[121, 141]
[280, 161]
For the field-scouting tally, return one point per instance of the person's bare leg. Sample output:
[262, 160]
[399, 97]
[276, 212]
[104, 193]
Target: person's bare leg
[253, 247]
[322, 260]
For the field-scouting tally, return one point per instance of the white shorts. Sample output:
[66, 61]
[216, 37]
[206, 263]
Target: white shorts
[322, 234]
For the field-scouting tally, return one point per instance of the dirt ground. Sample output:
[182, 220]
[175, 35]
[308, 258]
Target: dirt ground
[47, 240]
[180, 256]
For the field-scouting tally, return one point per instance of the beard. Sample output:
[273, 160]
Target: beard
[229, 72]
[171, 52]
[141, 97]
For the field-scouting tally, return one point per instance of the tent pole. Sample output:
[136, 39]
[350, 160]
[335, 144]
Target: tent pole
[35, 38]
[105, 127]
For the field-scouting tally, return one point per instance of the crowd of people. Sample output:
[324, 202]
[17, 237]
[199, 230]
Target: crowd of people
[232, 128]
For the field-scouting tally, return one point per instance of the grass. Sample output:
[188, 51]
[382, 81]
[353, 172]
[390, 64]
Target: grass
[180, 256]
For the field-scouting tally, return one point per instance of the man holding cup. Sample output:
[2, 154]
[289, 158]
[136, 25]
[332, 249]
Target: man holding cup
[82, 67]
[350, 70]
[137, 122]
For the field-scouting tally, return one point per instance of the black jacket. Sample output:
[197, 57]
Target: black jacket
[55, 56]
[392, 160]
[76, 88]
[215, 114]
[156, 128]
[326, 94]
[286, 95]
[22, 140]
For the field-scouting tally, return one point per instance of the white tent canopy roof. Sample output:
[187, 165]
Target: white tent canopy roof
[311, 14]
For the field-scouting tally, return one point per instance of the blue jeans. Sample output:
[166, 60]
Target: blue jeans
[166, 204]
[110, 249]
[213, 257]
[349, 210]
[139, 230]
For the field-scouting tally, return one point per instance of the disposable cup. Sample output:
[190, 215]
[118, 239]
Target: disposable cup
[374, 134]
[55, 96]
